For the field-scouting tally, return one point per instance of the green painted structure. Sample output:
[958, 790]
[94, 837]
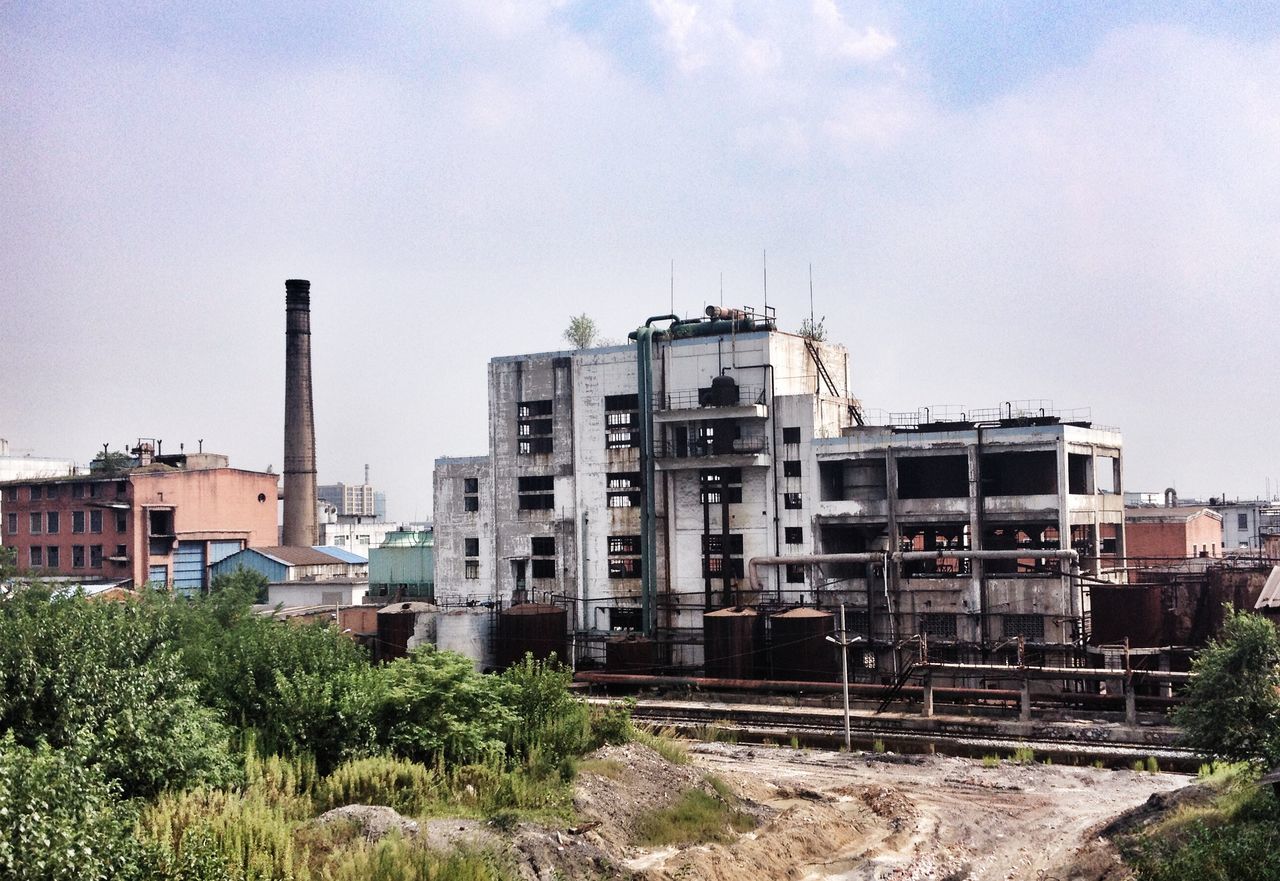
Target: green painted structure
[405, 565]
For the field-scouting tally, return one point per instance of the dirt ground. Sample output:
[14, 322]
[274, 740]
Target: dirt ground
[825, 816]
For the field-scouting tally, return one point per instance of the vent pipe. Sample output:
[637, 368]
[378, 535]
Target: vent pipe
[299, 420]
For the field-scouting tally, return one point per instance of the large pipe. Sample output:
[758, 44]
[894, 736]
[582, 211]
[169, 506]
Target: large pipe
[299, 419]
[648, 474]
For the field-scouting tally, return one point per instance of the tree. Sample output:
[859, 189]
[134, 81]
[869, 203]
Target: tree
[582, 332]
[1232, 708]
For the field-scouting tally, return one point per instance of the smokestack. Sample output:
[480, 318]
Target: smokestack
[299, 421]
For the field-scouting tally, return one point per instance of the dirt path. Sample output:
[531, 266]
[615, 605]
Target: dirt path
[918, 817]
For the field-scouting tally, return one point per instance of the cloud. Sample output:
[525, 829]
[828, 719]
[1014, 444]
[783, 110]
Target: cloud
[836, 37]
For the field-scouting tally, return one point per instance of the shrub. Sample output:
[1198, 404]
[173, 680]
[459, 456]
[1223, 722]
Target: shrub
[408, 787]
[1153, 766]
[991, 761]
[1023, 755]
[612, 723]
[877, 746]
[694, 818]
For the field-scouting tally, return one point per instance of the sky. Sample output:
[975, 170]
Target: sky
[1075, 201]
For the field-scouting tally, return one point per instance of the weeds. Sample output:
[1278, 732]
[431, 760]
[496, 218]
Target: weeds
[694, 818]
[991, 761]
[611, 768]
[795, 742]
[663, 742]
[1023, 755]
[1153, 766]
[878, 746]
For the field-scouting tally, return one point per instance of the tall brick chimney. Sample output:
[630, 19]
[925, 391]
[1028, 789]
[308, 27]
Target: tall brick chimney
[299, 420]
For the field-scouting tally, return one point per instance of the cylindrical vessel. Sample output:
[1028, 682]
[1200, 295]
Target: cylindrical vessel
[468, 632]
[731, 643]
[631, 654]
[535, 628]
[798, 647]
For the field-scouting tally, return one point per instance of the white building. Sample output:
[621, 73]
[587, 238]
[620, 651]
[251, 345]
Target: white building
[758, 451]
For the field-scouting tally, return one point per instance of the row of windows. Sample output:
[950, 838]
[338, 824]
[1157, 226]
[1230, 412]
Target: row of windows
[941, 625]
[50, 522]
[39, 491]
[51, 556]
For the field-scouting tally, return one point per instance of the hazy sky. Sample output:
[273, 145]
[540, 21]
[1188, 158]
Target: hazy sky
[999, 202]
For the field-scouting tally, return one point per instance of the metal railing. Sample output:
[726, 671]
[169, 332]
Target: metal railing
[695, 398]
[695, 449]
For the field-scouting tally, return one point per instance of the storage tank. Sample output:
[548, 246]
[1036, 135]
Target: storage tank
[402, 627]
[731, 643]
[532, 627]
[798, 647]
[630, 654]
[468, 632]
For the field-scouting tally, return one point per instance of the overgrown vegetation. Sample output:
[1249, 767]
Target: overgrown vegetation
[696, 817]
[163, 738]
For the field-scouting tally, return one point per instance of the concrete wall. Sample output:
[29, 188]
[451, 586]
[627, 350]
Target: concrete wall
[1176, 536]
[316, 593]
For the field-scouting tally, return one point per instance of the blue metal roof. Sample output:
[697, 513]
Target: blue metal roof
[341, 553]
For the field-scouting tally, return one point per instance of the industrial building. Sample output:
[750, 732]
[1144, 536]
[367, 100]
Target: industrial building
[631, 487]
[354, 499]
[149, 518]
[404, 565]
[1164, 535]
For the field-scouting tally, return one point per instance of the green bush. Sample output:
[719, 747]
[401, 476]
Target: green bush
[408, 787]
[612, 723]
[696, 817]
[61, 820]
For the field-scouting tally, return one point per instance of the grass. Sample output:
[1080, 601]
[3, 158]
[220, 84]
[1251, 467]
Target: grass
[877, 746]
[696, 817]
[611, 768]
[664, 743]
[1023, 755]
[795, 742]
[991, 761]
[1153, 766]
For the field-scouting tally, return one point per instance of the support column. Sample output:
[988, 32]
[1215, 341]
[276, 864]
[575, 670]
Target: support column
[1024, 701]
[927, 709]
[1130, 701]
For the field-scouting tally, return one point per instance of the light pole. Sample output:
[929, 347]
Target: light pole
[842, 639]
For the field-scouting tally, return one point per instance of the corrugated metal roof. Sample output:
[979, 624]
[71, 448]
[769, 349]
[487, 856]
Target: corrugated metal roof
[1270, 596]
[341, 553]
[301, 556]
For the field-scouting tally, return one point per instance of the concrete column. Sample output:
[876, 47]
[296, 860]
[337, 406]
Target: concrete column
[1130, 701]
[1024, 701]
[927, 709]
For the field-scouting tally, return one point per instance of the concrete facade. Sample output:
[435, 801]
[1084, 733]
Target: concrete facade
[292, 594]
[553, 513]
[156, 523]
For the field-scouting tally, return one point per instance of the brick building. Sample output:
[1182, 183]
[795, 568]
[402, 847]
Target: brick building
[1156, 536]
[158, 519]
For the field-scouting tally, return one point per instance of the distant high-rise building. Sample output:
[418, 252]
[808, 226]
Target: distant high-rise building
[354, 499]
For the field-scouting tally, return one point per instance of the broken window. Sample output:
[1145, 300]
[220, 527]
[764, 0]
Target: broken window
[95, 557]
[624, 556]
[936, 538]
[51, 526]
[1021, 536]
[533, 427]
[37, 556]
[471, 485]
[622, 489]
[791, 435]
[471, 547]
[721, 484]
[77, 556]
[536, 493]
[471, 569]
[52, 557]
[791, 468]
[795, 573]
[713, 555]
[792, 501]
[793, 535]
[1029, 627]
[938, 625]
[1106, 475]
[95, 521]
[542, 545]
[933, 477]
[621, 421]
[77, 521]
[624, 567]
[860, 480]
[543, 568]
[122, 521]
[470, 504]
[858, 623]
[625, 618]
[160, 521]
[624, 544]
[1020, 474]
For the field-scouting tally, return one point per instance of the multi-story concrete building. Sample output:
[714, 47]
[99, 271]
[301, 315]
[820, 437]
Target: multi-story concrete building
[151, 519]
[1246, 525]
[354, 500]
[633, 484]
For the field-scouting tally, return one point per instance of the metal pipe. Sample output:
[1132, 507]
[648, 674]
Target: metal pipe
[649, 533]
[640, 680]
[754, 564]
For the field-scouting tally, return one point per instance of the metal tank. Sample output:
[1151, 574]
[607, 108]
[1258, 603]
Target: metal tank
[402, 627]
[630, 654]
[732, 638]
[798, 647]
[532, 627]
[468, 632]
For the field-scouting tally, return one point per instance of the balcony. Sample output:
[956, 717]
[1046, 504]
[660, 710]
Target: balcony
[745, 452]
[729, 402]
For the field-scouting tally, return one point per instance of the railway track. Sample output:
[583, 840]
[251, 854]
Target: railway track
[1073, 743]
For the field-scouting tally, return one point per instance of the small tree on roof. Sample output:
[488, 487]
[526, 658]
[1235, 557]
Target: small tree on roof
[582, 332]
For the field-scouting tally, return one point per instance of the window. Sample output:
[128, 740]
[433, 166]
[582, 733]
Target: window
[533, 427]
[470, 504]
[623, 618]
[12, 525]
[52, 522]
[543, 568]
[77, 522]
[791, 435]
[1029, 627]
[122, 521]
[77, 556]
[77, 490]
[713, 555]
[936, 625]
[35, 493]
[471, 485]
[51, 492]
[625, 567]
[713, 567]
[95, 490]
[720, 485]
[536, 493]
[340, 541]
[795, 573]
[362, 539]
[37, 523]
[543, 545]
[794, 535]
[1242, 521]
[11, 493]
[791, 468]
[621, 421]
[95, 557]
[122, 489]
[53, 557]
[471, 547]
[624, 544]
[37, 556]
[933, 477]
[623, 489]
[792, 501]
[95, 521]
[121, 551]
[471, 569]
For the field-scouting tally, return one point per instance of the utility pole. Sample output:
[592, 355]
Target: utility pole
[842, 639]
